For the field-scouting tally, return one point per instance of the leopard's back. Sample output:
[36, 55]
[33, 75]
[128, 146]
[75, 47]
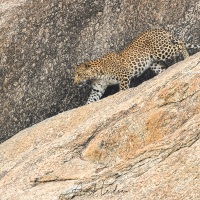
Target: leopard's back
[157, 43]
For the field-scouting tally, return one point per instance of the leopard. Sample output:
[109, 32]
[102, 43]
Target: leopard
[150, 49]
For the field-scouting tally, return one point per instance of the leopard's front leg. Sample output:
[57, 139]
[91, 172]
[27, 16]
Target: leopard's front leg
[98, 89]
[124, 83]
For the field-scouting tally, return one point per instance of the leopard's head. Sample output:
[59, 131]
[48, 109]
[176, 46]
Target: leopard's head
[83, 72]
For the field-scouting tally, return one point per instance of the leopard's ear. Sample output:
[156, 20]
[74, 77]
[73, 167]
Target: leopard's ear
[87, 65]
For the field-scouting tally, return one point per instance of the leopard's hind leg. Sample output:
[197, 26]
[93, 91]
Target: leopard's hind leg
[178, 46]
[157, 67]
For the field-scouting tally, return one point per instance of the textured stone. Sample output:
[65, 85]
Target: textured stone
[142, 143]
[41, 41]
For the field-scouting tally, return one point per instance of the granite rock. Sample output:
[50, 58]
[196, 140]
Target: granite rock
[142, 143]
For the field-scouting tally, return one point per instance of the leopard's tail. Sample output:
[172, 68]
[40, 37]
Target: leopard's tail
[183, 48]
[192, 46]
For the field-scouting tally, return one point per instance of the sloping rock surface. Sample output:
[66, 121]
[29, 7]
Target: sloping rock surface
[142, 143]
[41, 41]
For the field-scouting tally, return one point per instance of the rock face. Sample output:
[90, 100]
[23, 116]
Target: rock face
[142, 143]
[40, 42]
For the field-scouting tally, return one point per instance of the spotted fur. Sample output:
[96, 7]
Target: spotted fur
[145, 51]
